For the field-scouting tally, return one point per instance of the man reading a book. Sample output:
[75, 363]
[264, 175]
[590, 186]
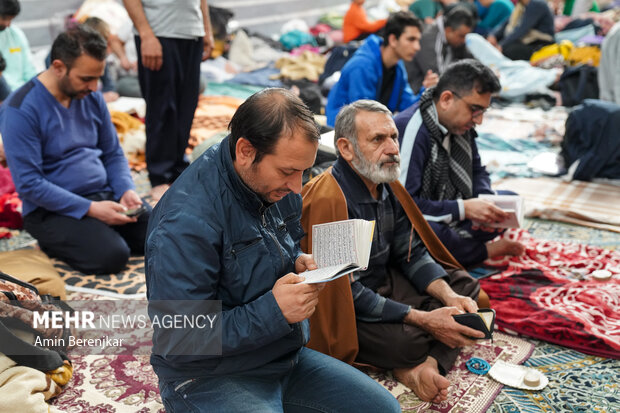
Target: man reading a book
[404, 301]
[228, 229]
[441, 166]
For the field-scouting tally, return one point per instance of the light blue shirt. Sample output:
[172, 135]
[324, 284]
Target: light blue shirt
[16, 51]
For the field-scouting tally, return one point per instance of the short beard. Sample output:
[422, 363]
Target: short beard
[375, 172]
[65, 87]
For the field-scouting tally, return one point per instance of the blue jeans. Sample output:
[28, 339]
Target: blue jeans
[317, 383]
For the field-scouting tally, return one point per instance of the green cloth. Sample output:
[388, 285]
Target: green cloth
[425, 8]
[231, 89]
[497, 13]
[568, 7]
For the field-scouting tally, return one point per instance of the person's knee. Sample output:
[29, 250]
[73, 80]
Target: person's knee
[110, 259]
[116, 258]
[410, 355]
[384, 402]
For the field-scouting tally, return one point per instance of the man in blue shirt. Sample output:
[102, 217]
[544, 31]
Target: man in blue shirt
[376, 70]
[67, 163]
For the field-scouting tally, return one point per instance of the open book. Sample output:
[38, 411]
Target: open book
[340, 248]
[512, 204]
[483, 320]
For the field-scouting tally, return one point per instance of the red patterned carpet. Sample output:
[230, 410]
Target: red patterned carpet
[549, 294]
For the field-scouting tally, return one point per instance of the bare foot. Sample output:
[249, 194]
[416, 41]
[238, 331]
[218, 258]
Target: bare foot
[158, 191]
[504, 247]
[425, 381]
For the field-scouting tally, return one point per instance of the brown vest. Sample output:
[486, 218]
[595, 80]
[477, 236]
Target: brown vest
[332, 326]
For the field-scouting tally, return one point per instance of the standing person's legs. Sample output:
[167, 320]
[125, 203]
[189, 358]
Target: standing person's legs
[187, 98]
[171, 95]
[88, 245]
[320, 383]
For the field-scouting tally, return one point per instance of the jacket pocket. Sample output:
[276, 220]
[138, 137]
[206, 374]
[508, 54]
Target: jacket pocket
[241, 248]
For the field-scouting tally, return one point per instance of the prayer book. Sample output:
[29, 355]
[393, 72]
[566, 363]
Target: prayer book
[340, 248]
[512, 204]
[483, 320]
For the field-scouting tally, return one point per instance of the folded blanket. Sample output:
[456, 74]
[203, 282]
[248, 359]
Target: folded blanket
[583, 203]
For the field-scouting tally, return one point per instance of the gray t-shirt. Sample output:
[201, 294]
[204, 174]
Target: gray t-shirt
[179, 19]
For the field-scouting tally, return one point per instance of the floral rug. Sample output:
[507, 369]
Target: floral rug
[577, 383]
[468, 392]
[106, 384]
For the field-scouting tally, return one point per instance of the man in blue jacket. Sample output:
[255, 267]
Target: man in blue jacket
[377, 72]
[441, 167]
[228, 229]
[67, 163]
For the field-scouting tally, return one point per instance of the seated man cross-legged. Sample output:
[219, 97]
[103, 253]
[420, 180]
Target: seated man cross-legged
[67, 163]
[441, 166]
[404, 301]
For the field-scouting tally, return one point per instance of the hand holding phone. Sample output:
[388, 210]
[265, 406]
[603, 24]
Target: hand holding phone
[135, 212]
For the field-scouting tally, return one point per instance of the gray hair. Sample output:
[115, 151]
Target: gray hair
[345, 126]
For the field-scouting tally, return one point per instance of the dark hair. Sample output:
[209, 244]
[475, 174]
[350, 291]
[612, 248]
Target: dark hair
[71, 44]
[9, 8]
[466, 75]
[98, 25]
[397, 22]
[268, 115]
[459, 16]
[2, 63]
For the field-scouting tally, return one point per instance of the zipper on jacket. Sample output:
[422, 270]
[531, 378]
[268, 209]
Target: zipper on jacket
[275, 240]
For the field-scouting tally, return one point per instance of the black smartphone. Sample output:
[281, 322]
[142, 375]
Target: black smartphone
[132, 213]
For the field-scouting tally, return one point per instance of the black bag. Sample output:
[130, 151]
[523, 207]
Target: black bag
[18, 301]
[337, 59]
[592, 139]
[578, 83]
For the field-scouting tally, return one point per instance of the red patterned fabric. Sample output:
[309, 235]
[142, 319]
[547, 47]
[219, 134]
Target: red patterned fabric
[10, 204]
[6, 181]
[549, 294]
[10, 211]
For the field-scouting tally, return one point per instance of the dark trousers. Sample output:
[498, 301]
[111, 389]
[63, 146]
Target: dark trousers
[465, 244]
[87, 244]
[520, 51]
[171, 95]
[399, 345]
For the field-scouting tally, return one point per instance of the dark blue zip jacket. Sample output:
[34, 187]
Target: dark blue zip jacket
[361, 78]
[211, 238]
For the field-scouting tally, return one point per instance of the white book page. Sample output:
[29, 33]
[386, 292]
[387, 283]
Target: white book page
[511, 204]
[334, 243]
[327, 273]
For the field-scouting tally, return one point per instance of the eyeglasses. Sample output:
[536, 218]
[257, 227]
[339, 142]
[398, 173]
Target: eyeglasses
[476, 110]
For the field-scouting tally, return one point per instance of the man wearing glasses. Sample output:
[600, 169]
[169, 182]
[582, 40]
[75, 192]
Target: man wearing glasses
[441, 167]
